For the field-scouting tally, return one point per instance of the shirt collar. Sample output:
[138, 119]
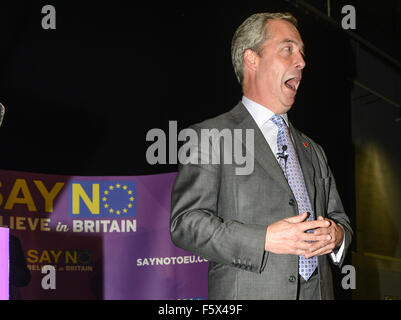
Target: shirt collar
[260, 113]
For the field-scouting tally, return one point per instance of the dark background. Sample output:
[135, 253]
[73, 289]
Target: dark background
[80, 99]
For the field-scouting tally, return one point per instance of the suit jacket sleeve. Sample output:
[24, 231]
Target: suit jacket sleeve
[335, 210]
[196, 226]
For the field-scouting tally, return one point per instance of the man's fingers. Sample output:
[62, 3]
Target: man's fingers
[321, 251]
[310, 242]
[310, 249]
[313, 237]
[297, 219]
[303, 247]
[321, 231]
[307, 225]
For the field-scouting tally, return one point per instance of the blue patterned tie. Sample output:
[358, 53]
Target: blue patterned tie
[292, 170]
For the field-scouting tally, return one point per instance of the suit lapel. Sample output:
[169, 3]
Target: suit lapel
[262, 152]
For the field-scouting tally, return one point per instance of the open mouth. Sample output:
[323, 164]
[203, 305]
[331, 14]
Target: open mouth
[292, 83]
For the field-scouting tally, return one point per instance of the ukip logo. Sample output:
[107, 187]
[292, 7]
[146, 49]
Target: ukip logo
[102, 199]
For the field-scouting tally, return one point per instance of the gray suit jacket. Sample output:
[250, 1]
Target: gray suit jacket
[223, 217]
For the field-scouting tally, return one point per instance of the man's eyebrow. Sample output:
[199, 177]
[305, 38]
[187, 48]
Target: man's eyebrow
[301, 47]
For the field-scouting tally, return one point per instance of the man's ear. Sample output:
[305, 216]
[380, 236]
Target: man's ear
[250, 59]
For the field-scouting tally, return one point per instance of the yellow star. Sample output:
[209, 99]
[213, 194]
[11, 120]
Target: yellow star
[111, 188]
[129, 205]
[125, 187]
[131, 199]
[104, 199]
[106, 205]
[129, 191]
[106, 192]
[111, 210]
[125, 210]
[118, 186]
[118, 211]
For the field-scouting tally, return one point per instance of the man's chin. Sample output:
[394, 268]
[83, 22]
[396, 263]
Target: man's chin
[287, 105]
[288, 100]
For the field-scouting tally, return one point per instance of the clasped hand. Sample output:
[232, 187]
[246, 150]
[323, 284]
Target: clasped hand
[289, 236]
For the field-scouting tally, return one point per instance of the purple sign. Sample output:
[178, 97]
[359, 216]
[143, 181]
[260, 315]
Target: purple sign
[98, 238]
[4, 262]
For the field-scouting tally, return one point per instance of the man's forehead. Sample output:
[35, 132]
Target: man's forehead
[284, 32]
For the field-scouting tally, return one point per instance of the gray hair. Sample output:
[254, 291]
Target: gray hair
[252, 34]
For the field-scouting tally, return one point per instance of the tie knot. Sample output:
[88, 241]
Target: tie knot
[278, 121]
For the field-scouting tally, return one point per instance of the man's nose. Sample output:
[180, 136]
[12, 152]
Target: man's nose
[299, 61]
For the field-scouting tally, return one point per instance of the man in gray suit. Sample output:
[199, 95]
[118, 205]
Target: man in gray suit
[270, 234]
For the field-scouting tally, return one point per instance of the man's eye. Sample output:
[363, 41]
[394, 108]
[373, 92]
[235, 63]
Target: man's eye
[289, 49]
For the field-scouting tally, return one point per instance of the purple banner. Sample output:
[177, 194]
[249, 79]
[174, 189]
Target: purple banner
[4, 261]
[97, 238]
